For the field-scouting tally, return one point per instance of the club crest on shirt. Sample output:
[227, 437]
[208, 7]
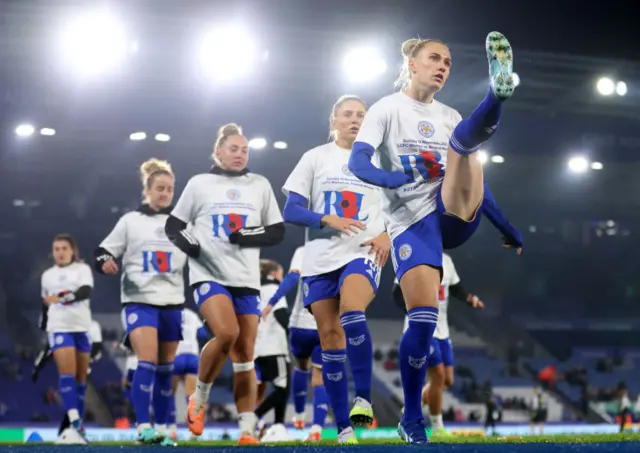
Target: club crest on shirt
[426, 129]
[404, 252]
[160, 232]
[346, 171]
[233, 194]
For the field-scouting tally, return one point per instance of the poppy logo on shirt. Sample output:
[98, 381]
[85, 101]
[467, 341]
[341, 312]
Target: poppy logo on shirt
[156, 261]
[233, 194]
[426, 129]
[228, 223]
[428, 164]
[345, 203]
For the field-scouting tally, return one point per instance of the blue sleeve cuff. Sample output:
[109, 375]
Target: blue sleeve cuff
[296, 212]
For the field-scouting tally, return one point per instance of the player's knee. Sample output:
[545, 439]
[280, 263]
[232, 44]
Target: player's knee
[448, 381]
[332, 336]
[437, 377]
[227, 338]
[241, 366]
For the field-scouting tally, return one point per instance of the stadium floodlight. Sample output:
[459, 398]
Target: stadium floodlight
[137, 136]
[621, 88]
[483, 156]
[597, 166]
[605, 86]
[497, 159]
[516, 79]
[578, 164]
[257, 143]
[227, 52]
[25, 130]
[47, 131]
[364, 65]
[162, 137]
[94, 42]
[280, 145]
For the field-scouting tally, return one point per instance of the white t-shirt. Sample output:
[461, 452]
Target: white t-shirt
[191, 323]
[152, 267]
[217, 205]
[411, 137]
[272, 337]
[95, 332]
[322, 176]
[300, 317]
[75, 317]
[449, 277]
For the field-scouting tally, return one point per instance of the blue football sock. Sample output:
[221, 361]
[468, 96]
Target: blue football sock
[359, 351]
[141, 390]
[68, 389]
[81, 388]
[320, 405]
[334, 374]
[171, 417]
[413, 355]
[299, 386]
[474, 131]
[162, 393]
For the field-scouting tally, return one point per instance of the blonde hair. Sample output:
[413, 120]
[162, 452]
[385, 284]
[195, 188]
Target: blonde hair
[226, 131]
[150, 169]
[410, 49]
[339, 103]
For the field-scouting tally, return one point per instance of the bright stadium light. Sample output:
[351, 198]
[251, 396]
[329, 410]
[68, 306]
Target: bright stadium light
[227, 52]
[497, 159]
[280, 145]
[364, 65]
[597, 166]
[25, 130]
[605, 86]
[483, 157]
[516, 79]
[257, 143]
[162, 137]
[621, 88]
[578, 164]
[137, 136]
[94, 42]
[47, 131]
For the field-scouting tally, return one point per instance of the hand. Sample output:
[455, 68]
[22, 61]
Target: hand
[509, 246]
[346, 226]
[50, 300]
[380, 247]
[513, 243]
[265, 311]
[475, 302]
[110, 267]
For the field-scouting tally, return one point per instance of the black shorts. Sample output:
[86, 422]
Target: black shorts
[270, 368]
[539, 416]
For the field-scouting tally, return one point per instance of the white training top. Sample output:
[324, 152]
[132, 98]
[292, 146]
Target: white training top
[300, 317]
[411, 137]
[191, 323]
[272, 337]
[152, 267]
[322, 176]
[95, 332]
[449, 277]
[75, 317]
[218, 205]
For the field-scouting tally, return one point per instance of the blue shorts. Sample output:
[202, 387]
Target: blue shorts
[327, 286]
[423, 242]
[185, 364]
[305, 343]
[441, 351]
[78, 340]
[244, 302]
[167, 321]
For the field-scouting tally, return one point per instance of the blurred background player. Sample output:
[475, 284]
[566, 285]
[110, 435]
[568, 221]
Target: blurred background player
[426, 207]
[152, 295]
[440, 364]
[231, 214]
[339, 276]
[66, 289]
[304, 342]
[538, 411]
[186, 362]
[272, 353]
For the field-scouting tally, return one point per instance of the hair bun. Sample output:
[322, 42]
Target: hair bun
[409, 46]
[229, 130]
[152, 166]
